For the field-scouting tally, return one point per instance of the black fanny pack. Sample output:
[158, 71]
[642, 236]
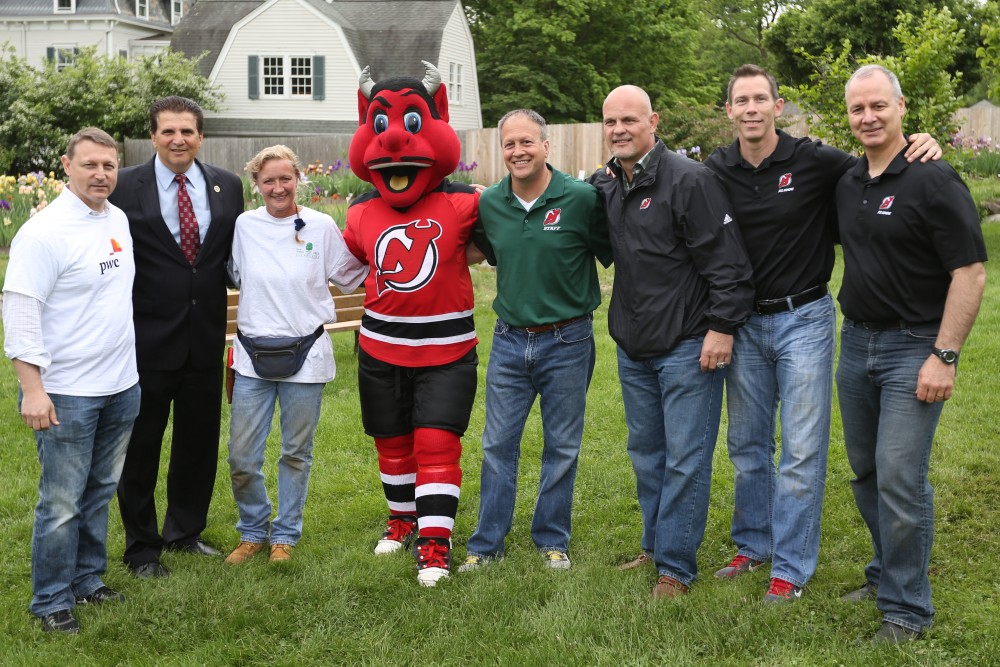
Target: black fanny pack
[277, 358]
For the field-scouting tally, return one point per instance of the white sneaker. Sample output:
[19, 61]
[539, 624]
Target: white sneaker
[433, 560]
[556, 560]
[398, 533]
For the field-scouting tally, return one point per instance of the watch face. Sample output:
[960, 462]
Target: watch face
[947, 356]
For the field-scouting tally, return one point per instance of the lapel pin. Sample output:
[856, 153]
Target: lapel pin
[218, 189]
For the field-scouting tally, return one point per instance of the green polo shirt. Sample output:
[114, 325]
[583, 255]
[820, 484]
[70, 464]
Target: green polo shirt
[544, 257]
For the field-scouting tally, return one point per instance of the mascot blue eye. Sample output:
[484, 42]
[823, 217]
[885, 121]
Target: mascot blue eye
[412, 122]
[380, 123]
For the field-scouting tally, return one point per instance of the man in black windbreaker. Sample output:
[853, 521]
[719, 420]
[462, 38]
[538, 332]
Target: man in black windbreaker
[682, 288]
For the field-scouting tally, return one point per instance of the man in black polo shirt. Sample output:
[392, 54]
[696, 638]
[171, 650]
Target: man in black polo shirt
[913, 282]
[781, 189]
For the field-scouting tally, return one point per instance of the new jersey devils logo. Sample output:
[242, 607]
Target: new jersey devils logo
[406, 256]
[785, 180]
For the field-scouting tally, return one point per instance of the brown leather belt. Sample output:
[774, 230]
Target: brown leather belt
[787, 303]
[542, 328]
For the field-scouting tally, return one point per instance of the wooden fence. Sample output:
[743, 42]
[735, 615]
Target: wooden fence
[980, 120]
[575, 149]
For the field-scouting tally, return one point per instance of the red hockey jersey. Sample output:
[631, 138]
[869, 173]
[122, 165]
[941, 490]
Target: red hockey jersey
[418, 301]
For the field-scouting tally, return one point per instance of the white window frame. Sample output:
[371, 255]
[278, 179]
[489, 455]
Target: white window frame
[65, 55]
[287, 79]
[176, 11]
[71, 9]
[142, 9]
[455, 76]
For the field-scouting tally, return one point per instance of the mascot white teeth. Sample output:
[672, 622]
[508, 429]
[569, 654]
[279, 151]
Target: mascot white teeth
[417, 359]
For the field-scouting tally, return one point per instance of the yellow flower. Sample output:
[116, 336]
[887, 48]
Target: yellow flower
[7, 222]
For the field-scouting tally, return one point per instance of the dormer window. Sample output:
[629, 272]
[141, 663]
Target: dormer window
[142, 9]
[176, 11]
[64, 6]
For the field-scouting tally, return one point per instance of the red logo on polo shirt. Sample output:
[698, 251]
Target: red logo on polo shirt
[887, 202]
[552, 216]
[645, 203]
[785, 180]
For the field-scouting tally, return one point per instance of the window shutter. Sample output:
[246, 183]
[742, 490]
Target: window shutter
[319, 77]
[50, 53]
[253, 77]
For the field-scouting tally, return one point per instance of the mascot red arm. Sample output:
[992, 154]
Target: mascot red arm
[417, 359]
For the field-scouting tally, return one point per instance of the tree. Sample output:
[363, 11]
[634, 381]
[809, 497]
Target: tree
[46, 106]
[989, 52]
[870, 27]
[562, 57]
[928, 49]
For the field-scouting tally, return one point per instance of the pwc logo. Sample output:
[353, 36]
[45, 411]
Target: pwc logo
[406, 257]
[115, 246]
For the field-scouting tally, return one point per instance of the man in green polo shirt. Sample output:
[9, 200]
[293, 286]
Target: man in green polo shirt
[542, 229]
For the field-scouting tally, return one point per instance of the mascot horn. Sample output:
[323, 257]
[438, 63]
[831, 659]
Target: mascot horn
[417, 358]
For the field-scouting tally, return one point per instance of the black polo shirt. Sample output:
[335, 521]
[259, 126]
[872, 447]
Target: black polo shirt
[784, 208]
[903, 232]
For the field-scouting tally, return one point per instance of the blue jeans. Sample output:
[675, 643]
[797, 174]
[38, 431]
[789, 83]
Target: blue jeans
[786, 360]
[250, 422]
[81, 460]
[556, 365]
[672, 410]
[888, 434]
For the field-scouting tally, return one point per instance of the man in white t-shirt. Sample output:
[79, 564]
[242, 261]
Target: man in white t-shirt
[67, 311]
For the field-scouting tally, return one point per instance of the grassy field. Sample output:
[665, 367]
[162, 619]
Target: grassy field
[337, 604]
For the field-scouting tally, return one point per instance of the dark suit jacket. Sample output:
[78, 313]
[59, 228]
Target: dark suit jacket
[180, 310]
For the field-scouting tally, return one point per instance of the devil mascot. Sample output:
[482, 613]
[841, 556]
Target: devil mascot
[417, 359]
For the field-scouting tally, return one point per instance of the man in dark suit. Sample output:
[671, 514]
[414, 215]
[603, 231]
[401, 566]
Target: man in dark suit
[182, 214]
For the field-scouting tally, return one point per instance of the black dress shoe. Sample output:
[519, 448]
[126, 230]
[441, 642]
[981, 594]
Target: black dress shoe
[60, 621]
[199, 546]
[102, 595]
[152, 570]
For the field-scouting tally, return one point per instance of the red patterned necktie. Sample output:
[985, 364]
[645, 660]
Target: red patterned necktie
[190, 240]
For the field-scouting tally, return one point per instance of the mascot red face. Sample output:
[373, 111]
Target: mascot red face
[404, 145]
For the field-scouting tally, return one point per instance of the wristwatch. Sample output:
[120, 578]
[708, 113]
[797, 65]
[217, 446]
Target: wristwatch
[946, 356]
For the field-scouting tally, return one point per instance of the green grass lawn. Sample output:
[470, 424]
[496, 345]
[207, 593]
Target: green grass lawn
[338, 604]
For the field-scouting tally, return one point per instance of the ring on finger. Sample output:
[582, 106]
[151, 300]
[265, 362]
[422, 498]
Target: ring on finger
[721, 365]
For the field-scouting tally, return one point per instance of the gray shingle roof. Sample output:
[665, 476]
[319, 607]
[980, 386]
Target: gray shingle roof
[123, 8]
[206, 28]
[44, 7]
[392, 36]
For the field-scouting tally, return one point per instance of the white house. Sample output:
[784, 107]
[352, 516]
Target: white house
[292, 66]
[56, 29]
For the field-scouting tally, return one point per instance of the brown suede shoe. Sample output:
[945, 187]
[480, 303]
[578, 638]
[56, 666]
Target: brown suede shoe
[281, 553]
[243, 552]
[668, 587]
[641, 560]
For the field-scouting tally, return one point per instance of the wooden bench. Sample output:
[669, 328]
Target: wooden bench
[349, 309]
